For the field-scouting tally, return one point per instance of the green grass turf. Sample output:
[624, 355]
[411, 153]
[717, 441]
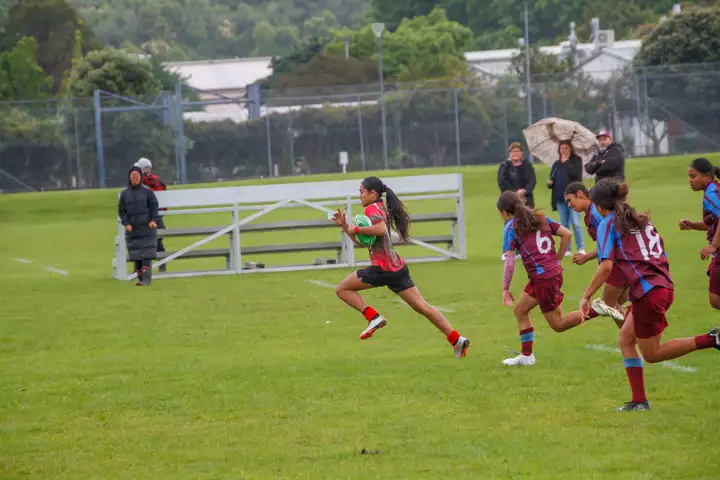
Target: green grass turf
[242, 377]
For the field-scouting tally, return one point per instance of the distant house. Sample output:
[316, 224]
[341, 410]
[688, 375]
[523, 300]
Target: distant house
[599, 63]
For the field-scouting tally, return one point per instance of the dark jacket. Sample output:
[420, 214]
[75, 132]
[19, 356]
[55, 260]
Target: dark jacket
[608, 163]
[138, 206]
[513, 179]
[572, 172]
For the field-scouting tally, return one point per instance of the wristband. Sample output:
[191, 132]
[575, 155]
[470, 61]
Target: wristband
[356, 230]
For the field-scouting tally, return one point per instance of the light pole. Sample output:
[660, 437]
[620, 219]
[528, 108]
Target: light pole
[378, 29]
[526, 42]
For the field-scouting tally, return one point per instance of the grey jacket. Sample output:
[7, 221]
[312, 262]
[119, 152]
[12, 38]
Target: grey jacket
[138, 206]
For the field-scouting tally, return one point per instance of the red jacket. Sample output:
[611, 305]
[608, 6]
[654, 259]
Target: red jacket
[154, 183]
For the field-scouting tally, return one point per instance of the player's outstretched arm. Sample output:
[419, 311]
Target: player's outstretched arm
[508, 272]
[601, 276]
[582, 259]
[565, 239]
[712, 248]
[690, 225]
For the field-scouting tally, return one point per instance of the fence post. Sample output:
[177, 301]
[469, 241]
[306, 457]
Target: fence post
[648, 123]
[457, 126]
[505, 117]
[180, 134]
[362, 137]
[638, 125]
[269, 143]
[98, 138]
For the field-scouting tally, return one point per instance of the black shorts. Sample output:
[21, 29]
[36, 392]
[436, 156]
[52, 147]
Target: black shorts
[395, 281]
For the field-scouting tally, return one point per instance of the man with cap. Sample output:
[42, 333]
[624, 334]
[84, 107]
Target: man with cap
[154, 183]
[609, 161]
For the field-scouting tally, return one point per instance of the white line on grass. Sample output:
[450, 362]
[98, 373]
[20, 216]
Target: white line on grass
[671, 365]
[57, 270]
[23, 260]
[320, 283]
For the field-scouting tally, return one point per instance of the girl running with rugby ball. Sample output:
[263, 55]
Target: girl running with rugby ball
[387, 269]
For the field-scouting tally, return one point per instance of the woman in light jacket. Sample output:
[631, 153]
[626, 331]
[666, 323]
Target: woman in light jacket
[566, 170]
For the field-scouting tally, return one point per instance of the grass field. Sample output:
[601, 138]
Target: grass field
[243, 377]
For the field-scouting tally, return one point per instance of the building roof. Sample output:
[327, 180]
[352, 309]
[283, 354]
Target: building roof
[223, 74]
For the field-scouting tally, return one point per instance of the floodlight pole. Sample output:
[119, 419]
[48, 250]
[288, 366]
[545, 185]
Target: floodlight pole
[378, 29]
[527, 70]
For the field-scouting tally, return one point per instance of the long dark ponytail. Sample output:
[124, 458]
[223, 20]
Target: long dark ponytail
[704, 166]
[612, 195]
[398, 217]
[526, 219]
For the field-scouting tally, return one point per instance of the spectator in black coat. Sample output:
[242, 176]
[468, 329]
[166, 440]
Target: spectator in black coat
[517, 174]
[609, 162]
[568, 169]
[138, 212]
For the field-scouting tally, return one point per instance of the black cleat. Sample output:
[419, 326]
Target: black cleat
[634, 407]
[715, 333]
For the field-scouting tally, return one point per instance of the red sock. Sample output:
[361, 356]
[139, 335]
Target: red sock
[369, 313]
[592, 314]
[636, 377]
[527, 337]
[705, 341]
[453, 337]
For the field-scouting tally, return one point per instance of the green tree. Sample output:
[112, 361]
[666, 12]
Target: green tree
[114, 71]
[53, 24]
[677, 94]
[691, 37]
[419, 49]
[21, 78]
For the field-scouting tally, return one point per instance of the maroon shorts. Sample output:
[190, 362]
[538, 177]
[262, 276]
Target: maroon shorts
[649, 312]
[546, 290]
[714, 274]
[616, 278]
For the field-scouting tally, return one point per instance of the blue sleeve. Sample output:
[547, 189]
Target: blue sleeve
[508, 237]
[606, 241]
[596, 217]
[711, 202]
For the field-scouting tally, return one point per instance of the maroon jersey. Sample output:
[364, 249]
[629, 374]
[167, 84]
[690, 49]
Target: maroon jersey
[537, 249]
[382, 253]
[640, 256]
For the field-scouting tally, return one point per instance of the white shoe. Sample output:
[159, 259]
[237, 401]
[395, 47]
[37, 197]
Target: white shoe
[568, 253]
[604, 310]
[461, 347]
[582, 252]
[520, 361]
[373, 325]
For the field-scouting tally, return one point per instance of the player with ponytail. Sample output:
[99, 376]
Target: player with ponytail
[615, 291]
[387, 269]
[629, 240]
[702, 174]
[531, 233]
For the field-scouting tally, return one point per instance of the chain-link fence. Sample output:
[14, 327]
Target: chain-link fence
[90, 143]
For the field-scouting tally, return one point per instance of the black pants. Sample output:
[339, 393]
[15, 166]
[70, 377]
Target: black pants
[161, 225]
[139, 264]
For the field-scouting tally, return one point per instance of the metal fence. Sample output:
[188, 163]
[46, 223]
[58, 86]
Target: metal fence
[91, 143]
